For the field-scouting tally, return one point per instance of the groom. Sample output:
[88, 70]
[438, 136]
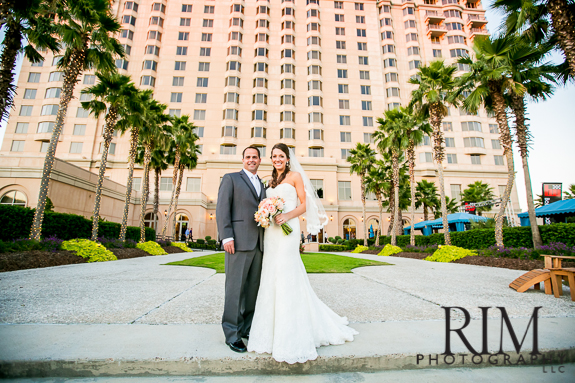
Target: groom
[243, 240]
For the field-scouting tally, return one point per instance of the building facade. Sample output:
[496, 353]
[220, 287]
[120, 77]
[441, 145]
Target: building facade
[313, 74]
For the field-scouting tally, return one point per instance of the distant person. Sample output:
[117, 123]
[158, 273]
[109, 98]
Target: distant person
[309, 238]
[302, 238]
[191, 235]
[187, 234]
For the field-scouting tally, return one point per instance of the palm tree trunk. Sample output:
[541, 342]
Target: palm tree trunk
[132, 154]
[12, 44]
[174, 180]
[177, 196]
[71, 74]
[411, 160]
[365, 236]
[145, 191]
[395, 165]
[391, 207]
[156, 193]
[521, 129]
[564, 25]
[5, 8]
[439, 154]
[108, 133]
[380, 226]
[506, 141]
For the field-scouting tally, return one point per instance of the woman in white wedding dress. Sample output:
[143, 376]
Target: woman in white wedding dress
[290, 321]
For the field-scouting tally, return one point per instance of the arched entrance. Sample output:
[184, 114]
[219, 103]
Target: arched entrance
[372, 226]
[13, 197]
[151, 220]
[349, 229]
[182, 222]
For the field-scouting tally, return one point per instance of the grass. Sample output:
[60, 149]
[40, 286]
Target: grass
[313, 262]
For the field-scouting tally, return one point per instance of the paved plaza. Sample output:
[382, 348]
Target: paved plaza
[141, 317]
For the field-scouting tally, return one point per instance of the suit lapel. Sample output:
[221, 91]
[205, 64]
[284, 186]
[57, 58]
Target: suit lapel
[262, 190]
[249, 183]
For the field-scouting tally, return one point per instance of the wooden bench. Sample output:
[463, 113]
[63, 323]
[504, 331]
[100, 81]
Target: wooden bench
[558, 273]
[533, 278]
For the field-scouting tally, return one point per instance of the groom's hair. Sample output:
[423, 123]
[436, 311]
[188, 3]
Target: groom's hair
[251, 147]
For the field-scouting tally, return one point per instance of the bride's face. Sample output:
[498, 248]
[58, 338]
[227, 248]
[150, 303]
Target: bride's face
[279, 159]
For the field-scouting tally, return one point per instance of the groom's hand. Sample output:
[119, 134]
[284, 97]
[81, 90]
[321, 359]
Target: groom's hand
[229, 247]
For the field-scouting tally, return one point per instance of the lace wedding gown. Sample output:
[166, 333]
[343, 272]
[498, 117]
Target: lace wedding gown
[290, 321]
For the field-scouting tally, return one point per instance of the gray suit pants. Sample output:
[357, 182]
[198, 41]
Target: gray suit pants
[243, 270]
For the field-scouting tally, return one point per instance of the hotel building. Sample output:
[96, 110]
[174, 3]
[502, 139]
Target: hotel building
[313, 74]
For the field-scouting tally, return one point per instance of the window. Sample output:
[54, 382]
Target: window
[156, 20]
[26, 110]
[55, 76]
[230, 114]
[475, 159]
[340, 45]
[315, 134]
[175, 112]
[194, 185]
[389, 48]
[338, 4]
[289, 39]
[89, 79]
[315, 101]
[180, 65]
[426, 141]
[364, 75]
[199, 114]
[361, 46]
[208, 23]
[343, 88]
[361, 33]
[185, 21]
[342, 73]
[148, 80]
[385, 9]
[262, 9]
[259, 98]
[76, 147]
[45, 127]
[393, 105]
[339, 18]
[392, 92]
[493, 128]
[204, 51]
[122, 64]
[154, 50]
[458, 52]
[208, 8]
[198, 131]
[79, 130]
[315, 117]
[261, 52]
[363, 60]
[344, 190]
[359, 7]
[437, 53]
[341, 59]
[260, 82]
[345, 154]
[495, 144]
[471, 126]
[228, 150]
[344, 104]
[233, 65]
[454, 26]
[165, 184]
[136, 181]
[44, 146]
[263, 23]
[314, 69]
[391, 77]
[344, 120]
[259, 115]
[33, 77]
[449, 142]
[414, 64]
[287, 133]
[286, 68]
[452, 13]
[264, 37]
[368, 138]
[208, 36]
[499, 160]
[21, 128]
[367, 121]
[318, 186]
[177, 81]
[183, 36]
[339, 31]
[232, 81]
[411, 37]
[409, 23]
[314, 84]
[154, 35]
[127, 34]
[201, 98]
[287, 53]
[287, 99]
[80, 113]
[456, 192]
[259, 132]
[234, 51]
[412, 51]
[236, 21]
[202, 82]
[366, 105]
[159, 7]
[17, 146]
[425, 157]
[288, 25]
[365, 89]
[388, 63]
[176, 97]
[456, 40]
[315, 152]
[127, 19]
[463, 67]
[30, 94]
[345, 136]
[447, 126]
[473, 142]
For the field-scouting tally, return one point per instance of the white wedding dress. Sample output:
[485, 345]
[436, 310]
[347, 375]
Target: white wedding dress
[290, 321]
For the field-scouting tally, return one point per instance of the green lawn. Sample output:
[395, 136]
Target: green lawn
[313, 262]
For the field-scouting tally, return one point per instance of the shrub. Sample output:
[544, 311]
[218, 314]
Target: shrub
[340, 241]
[182, 246]
[450, 253]
[332, 248]
[201, 241]
[332, 240]
[509, 252]
[421, 249]
[208, 238]
[337, 238]
[211, 242]
[360, 249]
[163, 243]
[89, 249]
[115, 243]
[152, 248]
[301, 248]
[390, 250]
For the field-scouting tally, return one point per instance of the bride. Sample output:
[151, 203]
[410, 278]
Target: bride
[290, 321]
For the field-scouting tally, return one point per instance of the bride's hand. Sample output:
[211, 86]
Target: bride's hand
[281, 219]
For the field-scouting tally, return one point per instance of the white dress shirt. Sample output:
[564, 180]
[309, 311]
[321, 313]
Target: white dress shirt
[257, 185]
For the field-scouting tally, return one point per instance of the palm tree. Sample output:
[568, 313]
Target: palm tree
[426, 196]
[392, 134]
[27, 21]
[115, 94]
[188, 160]
[361, 159]
[376, 183]
[570, 192]
[158, 163]
[86, 28]
[478, 192]
[451, 205]
[436, 90]
[539, 201]
[489, 80]
[181, 138]
[531, 17]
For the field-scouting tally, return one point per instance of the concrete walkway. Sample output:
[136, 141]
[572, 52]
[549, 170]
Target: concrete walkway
[141, 317]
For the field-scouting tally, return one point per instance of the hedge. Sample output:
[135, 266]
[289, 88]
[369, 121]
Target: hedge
[484, 238]
[17, 221]
[332, 248]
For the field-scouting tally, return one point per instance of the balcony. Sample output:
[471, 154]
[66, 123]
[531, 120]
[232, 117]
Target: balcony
[433, 17]
[474, 150]
[476, 21]
[435, 30]
[473, 32]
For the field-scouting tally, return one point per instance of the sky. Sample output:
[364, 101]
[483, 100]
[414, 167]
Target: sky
[552, 124]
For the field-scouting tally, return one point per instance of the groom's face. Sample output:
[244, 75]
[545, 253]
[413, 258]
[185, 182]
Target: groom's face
[251, 160]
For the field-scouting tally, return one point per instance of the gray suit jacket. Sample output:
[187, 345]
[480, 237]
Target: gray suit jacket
[236, 206]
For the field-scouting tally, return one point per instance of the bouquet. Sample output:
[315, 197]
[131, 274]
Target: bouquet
[267, 210]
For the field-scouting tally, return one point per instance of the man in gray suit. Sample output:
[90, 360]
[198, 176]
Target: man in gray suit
[243, 241]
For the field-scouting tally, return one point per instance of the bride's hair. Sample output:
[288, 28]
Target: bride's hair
[275, 179]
